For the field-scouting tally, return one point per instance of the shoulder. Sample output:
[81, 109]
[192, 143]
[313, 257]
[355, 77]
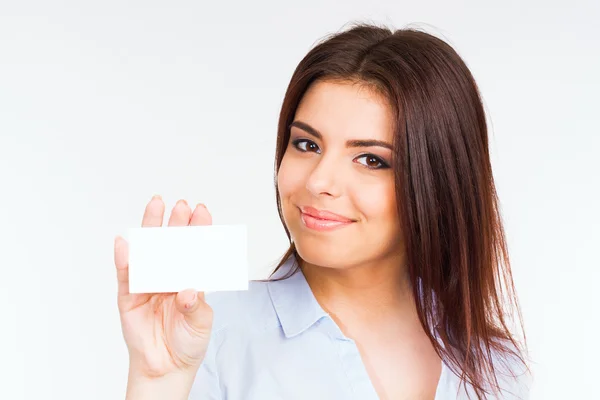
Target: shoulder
[247, 310]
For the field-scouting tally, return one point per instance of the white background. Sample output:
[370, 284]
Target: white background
[105, 103]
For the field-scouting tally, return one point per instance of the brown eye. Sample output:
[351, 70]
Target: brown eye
[373, 162]
[309, 145]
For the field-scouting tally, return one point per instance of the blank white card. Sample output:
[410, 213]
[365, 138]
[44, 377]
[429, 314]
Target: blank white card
[171, 259]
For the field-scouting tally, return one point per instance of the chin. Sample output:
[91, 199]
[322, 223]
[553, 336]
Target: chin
[318, 252]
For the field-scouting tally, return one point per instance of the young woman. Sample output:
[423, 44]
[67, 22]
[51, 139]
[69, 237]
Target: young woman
[396, 284]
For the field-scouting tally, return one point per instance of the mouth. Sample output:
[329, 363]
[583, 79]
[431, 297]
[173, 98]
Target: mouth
[324, 215]
[321, 220]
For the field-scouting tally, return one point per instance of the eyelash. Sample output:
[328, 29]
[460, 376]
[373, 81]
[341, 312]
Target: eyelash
[383, 164]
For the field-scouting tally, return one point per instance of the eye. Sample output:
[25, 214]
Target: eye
[310, 145]
[373, 162]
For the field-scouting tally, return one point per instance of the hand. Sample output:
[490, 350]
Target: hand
[164, 332]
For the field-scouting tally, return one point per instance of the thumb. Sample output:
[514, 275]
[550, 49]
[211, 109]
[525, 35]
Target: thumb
[197, 313]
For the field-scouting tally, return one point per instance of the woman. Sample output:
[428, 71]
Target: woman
[395, 281]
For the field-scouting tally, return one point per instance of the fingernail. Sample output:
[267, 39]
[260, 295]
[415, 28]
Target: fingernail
[200, 205]
[182, 201]
[191, 300]
[156, 196]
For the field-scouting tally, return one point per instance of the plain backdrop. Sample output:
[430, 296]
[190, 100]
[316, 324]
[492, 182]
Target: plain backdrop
[105, 103]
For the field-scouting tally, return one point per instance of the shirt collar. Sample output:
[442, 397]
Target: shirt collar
[293, 300]
[295, 304]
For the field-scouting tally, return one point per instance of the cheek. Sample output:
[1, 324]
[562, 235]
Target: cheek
[290, 178]
[382, 230]
[378, 203]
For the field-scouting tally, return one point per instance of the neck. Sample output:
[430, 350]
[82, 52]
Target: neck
[373, 293]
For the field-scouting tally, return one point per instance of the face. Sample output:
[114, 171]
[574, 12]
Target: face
[338, 161]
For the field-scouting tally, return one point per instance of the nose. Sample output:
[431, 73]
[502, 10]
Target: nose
[324, 179]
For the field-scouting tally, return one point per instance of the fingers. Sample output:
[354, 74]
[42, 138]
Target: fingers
[154, 213]
[190, 303]
[122, 264]
[181, 214]
[201, 216]
[197, 313]
[153, 216]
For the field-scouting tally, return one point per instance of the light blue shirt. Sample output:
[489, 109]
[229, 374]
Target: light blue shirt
[274, 341]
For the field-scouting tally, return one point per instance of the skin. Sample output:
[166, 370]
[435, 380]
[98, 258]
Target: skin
[357, 272]
[166, 333]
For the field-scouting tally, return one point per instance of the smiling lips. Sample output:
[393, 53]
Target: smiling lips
[323, 220]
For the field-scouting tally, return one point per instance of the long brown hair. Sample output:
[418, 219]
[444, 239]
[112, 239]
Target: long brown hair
[456, 252]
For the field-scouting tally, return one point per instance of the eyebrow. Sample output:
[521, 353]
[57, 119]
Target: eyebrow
[350, 143]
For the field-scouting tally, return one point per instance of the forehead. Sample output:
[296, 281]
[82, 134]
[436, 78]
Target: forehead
[346, 111]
